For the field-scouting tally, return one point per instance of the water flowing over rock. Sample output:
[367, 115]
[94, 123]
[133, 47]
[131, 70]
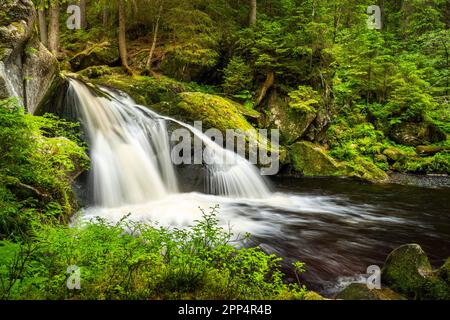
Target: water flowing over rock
[131, 154]
[27, 69]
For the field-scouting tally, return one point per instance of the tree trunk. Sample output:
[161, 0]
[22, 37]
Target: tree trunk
[105, 14]
[83, 20]
[123, 37]
[43, 27]
[148, 65]
[253, 11]
[53, 36]
[270, 79]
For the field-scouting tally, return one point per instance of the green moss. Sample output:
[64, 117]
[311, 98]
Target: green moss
[214, 111]
[365, 169]
[312, 160]
[408, 271]
[444, 272]
[292, 123]
[103, 53]
[358, 291]
[144, 90]
[312, 296]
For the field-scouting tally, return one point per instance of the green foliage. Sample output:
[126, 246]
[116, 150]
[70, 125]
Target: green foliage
[37, 165]
[129, 260]
[238, 76]
[305, 99]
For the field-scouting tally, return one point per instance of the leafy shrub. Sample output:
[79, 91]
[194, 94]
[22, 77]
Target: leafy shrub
[38, 162]
[130, 260]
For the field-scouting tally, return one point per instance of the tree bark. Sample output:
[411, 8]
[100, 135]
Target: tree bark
[123, 37]
[43, 27]
[53, 36]
[253, 12]
[105, 13]
[148, 65]
[270, 80]
[83, 20]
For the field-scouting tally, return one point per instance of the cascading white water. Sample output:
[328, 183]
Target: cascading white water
[127, 167]
[130, 153]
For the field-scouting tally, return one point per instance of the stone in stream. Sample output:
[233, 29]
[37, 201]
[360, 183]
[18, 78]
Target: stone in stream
[444, 272]
[359, 291]
[408, 271]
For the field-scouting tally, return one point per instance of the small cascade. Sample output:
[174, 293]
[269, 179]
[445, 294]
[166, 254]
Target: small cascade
[131, 153]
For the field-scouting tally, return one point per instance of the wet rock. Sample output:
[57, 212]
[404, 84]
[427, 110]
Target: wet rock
[358, 291]
[415, 134]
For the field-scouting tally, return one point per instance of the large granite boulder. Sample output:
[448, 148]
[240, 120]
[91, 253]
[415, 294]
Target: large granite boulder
[27, 68]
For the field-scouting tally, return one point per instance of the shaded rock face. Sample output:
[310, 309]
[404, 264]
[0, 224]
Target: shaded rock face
[292, 124]
[407, 270]
[415, 134]
[358, 291]
[27, 69]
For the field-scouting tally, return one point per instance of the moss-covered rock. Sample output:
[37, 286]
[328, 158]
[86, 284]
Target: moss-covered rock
[292, 123]
[394, 154]
[359, 291]
[309, 159]
[313, 296]
[147, 91]
[365, 169]
[444, 272]
[214, 111]
[414, 134]
[407, 270]
[104, 53]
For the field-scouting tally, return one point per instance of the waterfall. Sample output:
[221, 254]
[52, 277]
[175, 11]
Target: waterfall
[131, 153]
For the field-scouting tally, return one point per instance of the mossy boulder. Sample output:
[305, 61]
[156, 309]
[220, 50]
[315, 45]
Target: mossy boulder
[407, 270]
[147, 91]
[293, 124]
[104, 53]
[444, 272]
[415, 134]
[310, 159]
[214, 111]
[313, 296]
[365, 169]
[394, 154]
[359, 291]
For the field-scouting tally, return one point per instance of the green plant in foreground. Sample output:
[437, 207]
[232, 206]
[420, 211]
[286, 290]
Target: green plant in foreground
[130, 260]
